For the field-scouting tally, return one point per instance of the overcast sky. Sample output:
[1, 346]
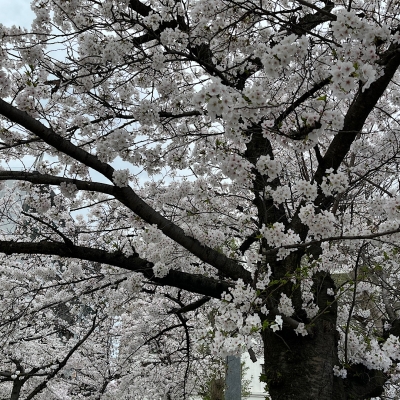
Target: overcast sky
[16, 12]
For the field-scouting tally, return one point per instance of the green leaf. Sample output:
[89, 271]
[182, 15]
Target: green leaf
[265, 325]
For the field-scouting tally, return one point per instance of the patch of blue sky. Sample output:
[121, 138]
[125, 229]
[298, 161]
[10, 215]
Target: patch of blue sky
[16, 12]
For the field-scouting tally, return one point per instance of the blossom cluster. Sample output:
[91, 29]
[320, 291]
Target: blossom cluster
[26, 100]
[333, 118]
[268, 166]
[283, 53]
[174, 38]
[285, 305]
[5, 84]
[264, 279]
[235, 316]
[277, 237]
[361, 52]
[280, 194]
[158, 59]
[334, 182]
[121, 177]
[146, 113]
[301, 329]
[278, 323]
[160, 269]
[307, 190]
[339, 372]
[348, 23]
[237, 168]
[152, 20]
[321, 224]
[68, 189]
[119, 139]
[308, 298]
[211, 237]
[341, 77]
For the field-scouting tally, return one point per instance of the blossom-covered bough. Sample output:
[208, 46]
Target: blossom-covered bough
[213, 177]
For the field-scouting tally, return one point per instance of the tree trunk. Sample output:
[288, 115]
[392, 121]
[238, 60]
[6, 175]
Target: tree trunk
[16, 389]
[301, 368]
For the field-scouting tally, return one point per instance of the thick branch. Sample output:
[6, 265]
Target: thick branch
[45, 179]
[302, 99]
[323, 11]
[140, 8]
[311, 21]
[126, 195]
[192, 306]
[359, 110]
[182, 280]
[355, 118]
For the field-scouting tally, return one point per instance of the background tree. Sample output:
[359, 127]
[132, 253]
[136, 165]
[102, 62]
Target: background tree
[228, 156]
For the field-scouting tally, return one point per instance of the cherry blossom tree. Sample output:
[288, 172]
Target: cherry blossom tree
[212, 177]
